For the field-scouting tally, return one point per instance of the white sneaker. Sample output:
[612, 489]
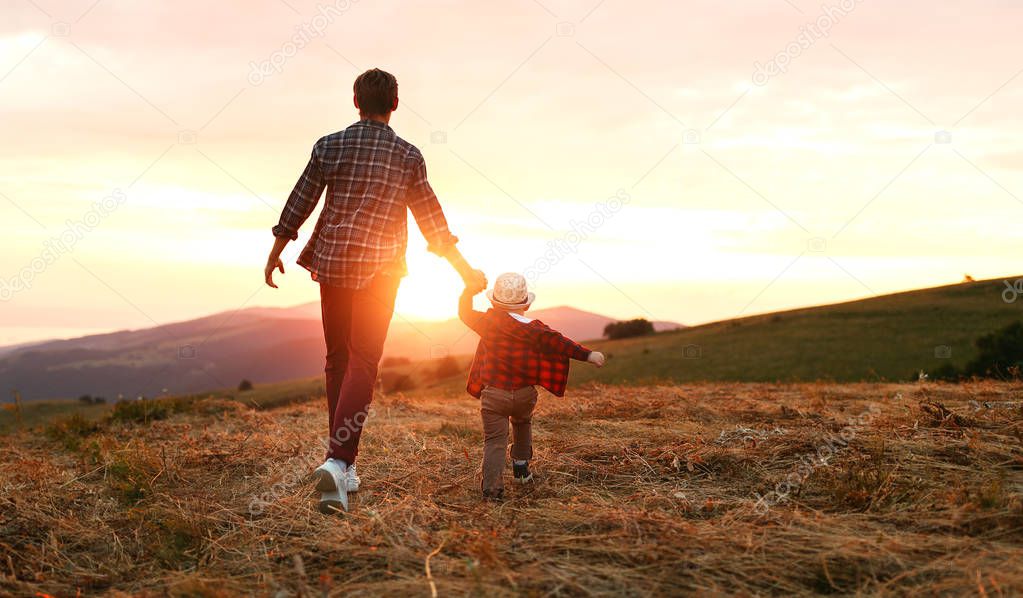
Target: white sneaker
[332, 481]
[330, 502]
[353, 479]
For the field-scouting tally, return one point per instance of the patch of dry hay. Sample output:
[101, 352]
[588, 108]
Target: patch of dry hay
[641, 491]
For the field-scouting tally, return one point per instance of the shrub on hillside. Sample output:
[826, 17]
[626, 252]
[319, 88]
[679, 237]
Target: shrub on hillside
[244, 385]
[630, 328]
[947, 372]
[390, 362]
[138, 411]
[147, 410]
[999, 354]
[70, 430]
[399, 383]
[447, 367]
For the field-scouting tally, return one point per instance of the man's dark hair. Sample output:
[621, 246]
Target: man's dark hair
[376, 90]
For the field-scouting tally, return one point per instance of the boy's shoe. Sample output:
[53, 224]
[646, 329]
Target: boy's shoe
[493, 495]
[353, 479]
[332, 480]
[521, 473]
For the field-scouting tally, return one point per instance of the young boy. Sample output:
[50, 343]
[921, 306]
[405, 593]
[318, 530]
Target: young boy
[514, 354]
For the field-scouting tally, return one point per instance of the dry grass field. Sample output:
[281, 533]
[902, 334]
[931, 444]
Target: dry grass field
[716, 489]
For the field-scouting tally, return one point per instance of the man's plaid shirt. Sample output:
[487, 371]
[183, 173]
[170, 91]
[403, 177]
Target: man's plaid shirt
[511, 354]
[372, 177]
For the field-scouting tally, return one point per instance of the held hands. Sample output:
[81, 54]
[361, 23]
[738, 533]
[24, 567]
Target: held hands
[597, 358]
[475, 281]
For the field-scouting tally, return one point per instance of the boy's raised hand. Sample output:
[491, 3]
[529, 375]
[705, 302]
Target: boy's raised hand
[597, 358]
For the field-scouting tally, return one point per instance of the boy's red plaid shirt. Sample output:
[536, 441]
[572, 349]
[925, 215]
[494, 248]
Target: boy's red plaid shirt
[512, 354]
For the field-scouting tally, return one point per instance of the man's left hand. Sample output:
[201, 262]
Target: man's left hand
[475, 280]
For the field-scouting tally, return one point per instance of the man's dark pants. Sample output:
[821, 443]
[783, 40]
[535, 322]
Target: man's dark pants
[354, 326]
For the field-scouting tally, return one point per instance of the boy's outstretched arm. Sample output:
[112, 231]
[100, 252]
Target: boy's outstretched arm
[552, 341]
[472, 318]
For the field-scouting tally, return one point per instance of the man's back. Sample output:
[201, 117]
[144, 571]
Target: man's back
[372, 176]
[357, 254]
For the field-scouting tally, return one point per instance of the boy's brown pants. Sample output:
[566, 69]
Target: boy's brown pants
[497, 406]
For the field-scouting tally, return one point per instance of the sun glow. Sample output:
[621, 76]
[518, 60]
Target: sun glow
[773, 206]
[430, 291]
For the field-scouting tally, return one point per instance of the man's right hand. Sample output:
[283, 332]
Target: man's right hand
[273, 261]
[597, 358]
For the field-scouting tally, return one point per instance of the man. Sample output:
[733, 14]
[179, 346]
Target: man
[357, 255]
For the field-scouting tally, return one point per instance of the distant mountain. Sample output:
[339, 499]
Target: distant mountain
[262, 344]
[12, 348]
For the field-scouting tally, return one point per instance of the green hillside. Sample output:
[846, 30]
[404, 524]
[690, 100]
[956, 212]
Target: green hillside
[883, 338]
[888, 337]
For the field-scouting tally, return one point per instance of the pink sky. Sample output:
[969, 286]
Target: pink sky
[830, 181]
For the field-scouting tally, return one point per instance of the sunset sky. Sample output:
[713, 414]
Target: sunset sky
[885, 157]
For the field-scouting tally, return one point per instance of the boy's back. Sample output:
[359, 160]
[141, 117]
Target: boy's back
[514, 355]
[515, 352]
